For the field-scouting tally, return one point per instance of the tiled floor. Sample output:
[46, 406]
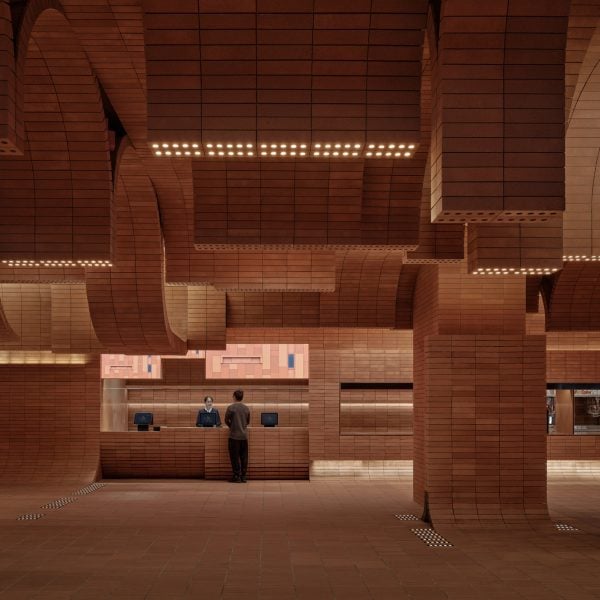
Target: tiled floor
[328, 539]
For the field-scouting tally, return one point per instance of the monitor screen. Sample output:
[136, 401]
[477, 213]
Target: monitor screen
[269, 419]
[205, 419]
[143, 418]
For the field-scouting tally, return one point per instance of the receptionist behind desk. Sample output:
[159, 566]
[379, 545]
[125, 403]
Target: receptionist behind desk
[208, 410]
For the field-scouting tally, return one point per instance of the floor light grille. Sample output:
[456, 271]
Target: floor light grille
[431, 538]
[407, 517]
[565, 527]
[88, 489]
[59, 503]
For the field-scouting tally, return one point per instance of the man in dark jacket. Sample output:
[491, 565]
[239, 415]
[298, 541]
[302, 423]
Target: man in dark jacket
[237, 418]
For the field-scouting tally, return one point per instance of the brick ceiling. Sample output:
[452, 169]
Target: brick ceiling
[169, 169]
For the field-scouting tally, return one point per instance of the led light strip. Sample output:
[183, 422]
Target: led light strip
[282, 150]
[581, 258]
[395, 150]
[177, 149]
[56, 263]
[513, 271]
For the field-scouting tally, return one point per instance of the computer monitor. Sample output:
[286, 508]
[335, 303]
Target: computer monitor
[142, 420]
[269, 419]
[205, 419]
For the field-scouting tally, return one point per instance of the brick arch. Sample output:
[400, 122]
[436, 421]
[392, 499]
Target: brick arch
[127, 301]
[55, 198]
[582, 160]
[574, 302]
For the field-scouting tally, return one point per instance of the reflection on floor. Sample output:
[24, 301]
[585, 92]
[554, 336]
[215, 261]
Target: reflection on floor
[329, 539]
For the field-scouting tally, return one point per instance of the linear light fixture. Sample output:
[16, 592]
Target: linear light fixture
[295, 150]
[581, 258]
[513, 271]
[56, 263]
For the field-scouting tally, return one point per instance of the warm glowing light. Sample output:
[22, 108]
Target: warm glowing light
[286, 149]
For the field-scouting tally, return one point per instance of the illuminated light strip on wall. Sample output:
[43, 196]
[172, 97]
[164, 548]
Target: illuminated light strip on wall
[42, 357]
[513, 271]
[282, 150]
[581, 258]
[56, 263]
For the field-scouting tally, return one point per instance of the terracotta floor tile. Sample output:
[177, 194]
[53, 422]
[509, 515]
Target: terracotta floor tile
[301, 540]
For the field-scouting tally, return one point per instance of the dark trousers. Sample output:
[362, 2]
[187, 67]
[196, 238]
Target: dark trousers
[238, 454]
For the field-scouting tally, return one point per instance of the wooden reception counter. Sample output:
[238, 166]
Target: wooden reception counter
[191, 452]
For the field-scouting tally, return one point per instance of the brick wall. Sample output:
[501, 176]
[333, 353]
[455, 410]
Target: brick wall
[51, 417]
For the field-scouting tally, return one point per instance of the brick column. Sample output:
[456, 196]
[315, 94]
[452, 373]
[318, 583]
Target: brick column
[480, 448]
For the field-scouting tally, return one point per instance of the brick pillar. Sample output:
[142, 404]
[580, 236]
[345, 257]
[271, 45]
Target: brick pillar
[480, 444]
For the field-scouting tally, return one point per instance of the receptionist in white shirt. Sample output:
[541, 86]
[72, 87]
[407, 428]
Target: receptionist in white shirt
[209, 408]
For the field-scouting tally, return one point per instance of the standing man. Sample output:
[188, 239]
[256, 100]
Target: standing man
[237, 419]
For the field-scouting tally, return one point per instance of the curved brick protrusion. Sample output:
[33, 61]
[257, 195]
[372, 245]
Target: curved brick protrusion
[9, 141]
[582, 161]
[366, 289]
[127, 301]
[55, 199]
[7, 334]
[574, 304]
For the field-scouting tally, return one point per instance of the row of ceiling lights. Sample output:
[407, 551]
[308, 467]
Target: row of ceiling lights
[283, 150]
[513, 271]
[56, 263]
[581, 258]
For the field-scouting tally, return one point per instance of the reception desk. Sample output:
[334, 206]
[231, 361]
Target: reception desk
[191, 452]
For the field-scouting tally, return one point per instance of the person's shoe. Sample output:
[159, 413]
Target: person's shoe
[235, 480]
[243, 479]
